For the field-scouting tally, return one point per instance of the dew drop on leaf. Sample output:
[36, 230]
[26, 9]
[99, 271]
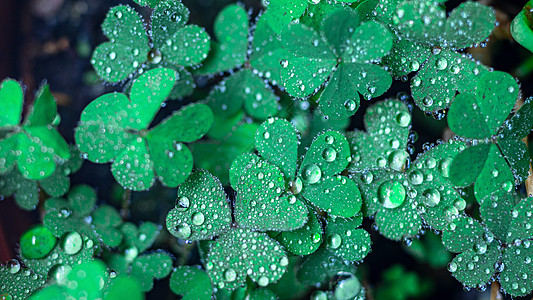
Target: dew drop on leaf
[312, 173]
[391, 194]
[431, 197]
[72, 243]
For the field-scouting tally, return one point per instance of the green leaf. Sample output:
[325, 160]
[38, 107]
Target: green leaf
[322, 265]
[514, 277]
[267, 52]
[400, 222]
[7, 152]
[188, 124]
[406, 57]
[101, 131]
[344, 240]
[114, 61]
[239, 254]
[310, 63]
[474, 269]
[329, 152]
[468, 24]
[464, 233]
[122, 286]
[107, 221]
[340, 97]
[305, 240]
[36, 164]
[516, 154]
[260, 192]
[468, 164]
[243, 88]
[338, 27]
[277, 142]
[419, 20]
[18, 283]
[146, 95]
[521, 122]
[231, 31]
[191, 282]
[11, 99]
[44, 108]
[387, 124]
[496, 209]
[27, 195]
[194, 49]
[496, 175]
[50, 138]
[520, 227]
[281, 13]
[142, 237]
[370, 41]
[336, 195]
[443, 75]
[168, 17]
[133, 168]
[521, 27]
[201, 210]
[154, 265]
[481, 115]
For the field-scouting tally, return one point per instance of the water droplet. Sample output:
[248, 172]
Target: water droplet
[431, 197]
[334, 241]
[13, 266]
[403, 119]
[263, 281]
[230, 275]
[37, 242]
[154, 56]
[112, 55]
[329, 154]
[183, 231]
[175, 17]
[396, 159]
[183, 203]
[72, 243]
[416, 177]
[284, 63]
[350, 105]
[59, 273]
[330, 139]
[441, 63]
[452, 267]
[198, 218]
[312, 173]
[391, 194]
[284, 261]
[296, 187]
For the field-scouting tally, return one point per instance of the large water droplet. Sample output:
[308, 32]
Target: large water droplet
[183, 231]
[329, 154]
[312, 173]
[334, 241]
[431, 197]
[72, 243]
[183, 203]
[37, 242]
[198, 218]
[13, 266]
[403, 119]
[230, 275]
[391, 194]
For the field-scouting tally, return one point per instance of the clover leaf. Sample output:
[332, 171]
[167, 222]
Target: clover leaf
[344, 240]
[144, 268]
[91, 280]
[113, 128]
[239, 253]
[35, 145]
[521, 27]
[245, 90]
[26, 191]
[345, 57]
[500, 246]
[18, 283]
[191, 282]
[402, 197]
[231, 137]
[170, 43]
[321, 266]
[231, 31]
[78, 213]
[427, 42]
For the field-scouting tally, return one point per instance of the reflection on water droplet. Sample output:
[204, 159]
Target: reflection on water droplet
[13, 266]
[391, 194]
[334, 241]
[329, 154]
[183, 231]
[263, 281]
[230, 275]
[198, 218]
[312, 173]
[350, 105]
[72, 243]
[431, 197]
[183, 203]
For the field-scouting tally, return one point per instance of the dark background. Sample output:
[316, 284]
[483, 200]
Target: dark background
[53, 40]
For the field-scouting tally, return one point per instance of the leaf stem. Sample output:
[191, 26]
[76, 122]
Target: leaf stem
[495, 291]
[126, 200]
